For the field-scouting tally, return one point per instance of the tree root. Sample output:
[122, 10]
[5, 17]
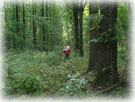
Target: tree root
[110, 88]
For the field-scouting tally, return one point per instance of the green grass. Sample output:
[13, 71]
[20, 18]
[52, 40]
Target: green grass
[38, 73]
[35, 73]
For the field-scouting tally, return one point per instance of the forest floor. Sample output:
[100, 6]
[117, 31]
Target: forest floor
[35, 73]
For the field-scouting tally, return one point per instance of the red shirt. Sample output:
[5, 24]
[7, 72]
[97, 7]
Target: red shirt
[67, 50]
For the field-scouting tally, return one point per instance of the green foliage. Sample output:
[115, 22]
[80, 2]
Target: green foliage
[35, 72]
[76, 85]
[52, 27]
[122, 36]
[119, 92]
[123, 25]
[41, 74]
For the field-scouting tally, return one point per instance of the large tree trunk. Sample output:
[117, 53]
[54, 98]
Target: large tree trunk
[34, 26]
[81, 8]
[107, 50]
[75, 13]
[114, 45]
[93, 54]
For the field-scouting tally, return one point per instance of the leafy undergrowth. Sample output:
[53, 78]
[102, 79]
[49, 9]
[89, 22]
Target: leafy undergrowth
[119, 92]
[40, 74]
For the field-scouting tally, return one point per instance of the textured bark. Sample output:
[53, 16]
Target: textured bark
[17, 25]
[51, 23]
[107, 49]
[34, 26]
[50, 11]
[75, 14]
[14, 30]
[23, 25]
[81, 8]
[46, 11]
[47, 38]
[17, 18]
[43, 30]
[114, 45]
[93, 55]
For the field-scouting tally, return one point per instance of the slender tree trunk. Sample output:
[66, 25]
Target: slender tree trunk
[51, 23]
[23, 25]
[75, 13]
[81, 28]
[107, 50]
[43, 30]
[5, 11]
[47, 38]
[34, 26]
[14, 24]
[50, 7]
[17, 24]
[17, 18]
[46, 11]
[93, 55]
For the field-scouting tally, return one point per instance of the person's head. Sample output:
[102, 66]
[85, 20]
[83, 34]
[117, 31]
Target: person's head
[67, 43]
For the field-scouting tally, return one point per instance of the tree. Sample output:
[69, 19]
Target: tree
[37, 26]
[47, 37]
[107, 47]
[78, 9]
[23, 25]
[34, 26]
[17, 23]
[75, 14]
[5, 10]
[81, 9]
[43, 30]
[17, 18]
[93, 54]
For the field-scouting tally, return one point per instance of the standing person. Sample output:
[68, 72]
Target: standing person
[67, 51]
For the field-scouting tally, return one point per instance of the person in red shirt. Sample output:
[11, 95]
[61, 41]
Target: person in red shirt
[67, 51]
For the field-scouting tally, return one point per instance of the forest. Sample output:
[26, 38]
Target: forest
[36, 34]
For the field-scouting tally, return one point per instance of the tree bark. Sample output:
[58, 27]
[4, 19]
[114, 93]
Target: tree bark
[76, 14]
[51, 23]
[17, 45]
[43, 30]
[17, 18]
[81, 8]
[113, 45]
[14, 24]
[34, 26]
[93, 54]
[23, 25]
[5, 11]
[107, 50]
[47, 38]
